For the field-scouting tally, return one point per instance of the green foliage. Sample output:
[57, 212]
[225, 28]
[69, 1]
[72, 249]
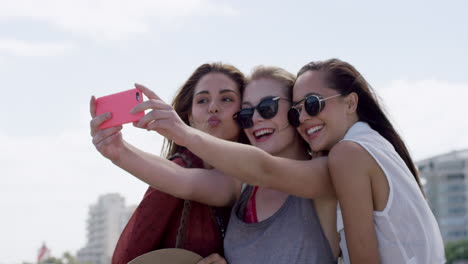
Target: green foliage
[52, 260]
[456, 251]
[67, 258]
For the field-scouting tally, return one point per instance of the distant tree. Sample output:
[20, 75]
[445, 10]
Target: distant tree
[456, 251]
[52, 260]
[69, 258]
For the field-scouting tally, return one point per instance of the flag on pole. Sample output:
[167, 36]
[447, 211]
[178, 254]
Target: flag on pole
[43, 253]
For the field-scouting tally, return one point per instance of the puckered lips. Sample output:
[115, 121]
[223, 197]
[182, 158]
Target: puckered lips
[263, 134]
[214, 121]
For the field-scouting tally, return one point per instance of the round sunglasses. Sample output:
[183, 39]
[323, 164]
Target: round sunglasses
[313, 104]
[267, 108]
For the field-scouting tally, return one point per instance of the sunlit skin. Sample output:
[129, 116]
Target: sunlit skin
[278, 142]
[216, 99]
[334, 120]
[290, 158]
[360, 184]
[281, 140]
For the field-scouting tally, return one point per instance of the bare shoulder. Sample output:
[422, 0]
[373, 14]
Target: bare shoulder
[351, 157]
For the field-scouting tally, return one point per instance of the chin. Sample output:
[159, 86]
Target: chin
[316, 147]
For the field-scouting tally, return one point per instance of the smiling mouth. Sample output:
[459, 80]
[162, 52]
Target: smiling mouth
[262, 133]
[313, 130]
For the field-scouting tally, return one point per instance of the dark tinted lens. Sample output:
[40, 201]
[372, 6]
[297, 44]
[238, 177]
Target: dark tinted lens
[293, 117]
[244, 118]
[312, 105]
[268, 108]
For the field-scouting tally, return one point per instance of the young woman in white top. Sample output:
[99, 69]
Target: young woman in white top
[382, 214]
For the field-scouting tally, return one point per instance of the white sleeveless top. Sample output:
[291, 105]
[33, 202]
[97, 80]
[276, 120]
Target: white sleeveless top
[406, 229]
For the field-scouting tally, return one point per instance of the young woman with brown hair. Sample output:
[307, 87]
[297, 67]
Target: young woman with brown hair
[206, 101]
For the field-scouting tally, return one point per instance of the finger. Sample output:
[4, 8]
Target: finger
[213, 258]
[108, 140]
[154, 115]
[92, 106]
[105, 133]
[150, 104]
[158, 125]
[97, 121]
[146, 91]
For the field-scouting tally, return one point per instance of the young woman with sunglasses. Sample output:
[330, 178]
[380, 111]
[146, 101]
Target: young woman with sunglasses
[266, 226]
[382, 215]
[206, 101]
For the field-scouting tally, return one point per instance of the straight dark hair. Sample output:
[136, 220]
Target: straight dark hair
[344, 78]
[182, 102]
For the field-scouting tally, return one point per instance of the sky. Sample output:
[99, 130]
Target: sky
[55, 54]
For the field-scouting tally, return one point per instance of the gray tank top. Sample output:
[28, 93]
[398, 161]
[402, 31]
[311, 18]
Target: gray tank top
[292, 235]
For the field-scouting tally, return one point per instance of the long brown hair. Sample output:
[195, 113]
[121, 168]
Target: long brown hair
[344, 78]
[182, 102]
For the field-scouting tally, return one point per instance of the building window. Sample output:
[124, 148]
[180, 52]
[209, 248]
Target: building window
[451, 165]
[457, 210]
[458, 234]
[457, 176]
[456, 198]
[455, 187]
[452, 221]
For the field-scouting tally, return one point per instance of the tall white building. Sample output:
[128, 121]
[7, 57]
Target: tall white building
[106, 220]
[446, 190]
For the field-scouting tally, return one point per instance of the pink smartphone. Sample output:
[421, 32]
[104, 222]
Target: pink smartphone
[119, 104]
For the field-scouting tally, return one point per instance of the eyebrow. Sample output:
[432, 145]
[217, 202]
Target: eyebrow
[261, 99]
[295, 102]
[221, 92]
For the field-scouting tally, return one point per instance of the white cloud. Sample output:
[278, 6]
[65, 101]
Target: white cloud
[49, 182]
[431, 115]
[27, 49]
[110, 19]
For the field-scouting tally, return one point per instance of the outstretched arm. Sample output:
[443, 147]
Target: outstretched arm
[210, 187]
[306, 178]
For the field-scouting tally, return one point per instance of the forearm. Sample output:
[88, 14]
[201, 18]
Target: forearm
[201, 185]
[160, 173]
[245, 162]
[305, 178]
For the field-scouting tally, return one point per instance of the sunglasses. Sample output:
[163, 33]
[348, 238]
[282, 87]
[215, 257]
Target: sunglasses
[313, 104]
[267, 108]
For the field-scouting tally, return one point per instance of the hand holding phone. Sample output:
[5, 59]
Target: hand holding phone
[120, 104]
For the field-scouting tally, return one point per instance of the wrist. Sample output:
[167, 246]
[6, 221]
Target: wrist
[191, 138]
[121, 152]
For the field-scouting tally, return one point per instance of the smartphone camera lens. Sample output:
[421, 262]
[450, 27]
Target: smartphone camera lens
[137, 95]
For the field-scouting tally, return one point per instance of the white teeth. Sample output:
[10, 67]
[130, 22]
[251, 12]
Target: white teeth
[314, 129]
[263, 132]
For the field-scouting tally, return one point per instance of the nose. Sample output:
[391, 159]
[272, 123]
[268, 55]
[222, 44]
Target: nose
[303, 116]
[256, 117]
[214, 107]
